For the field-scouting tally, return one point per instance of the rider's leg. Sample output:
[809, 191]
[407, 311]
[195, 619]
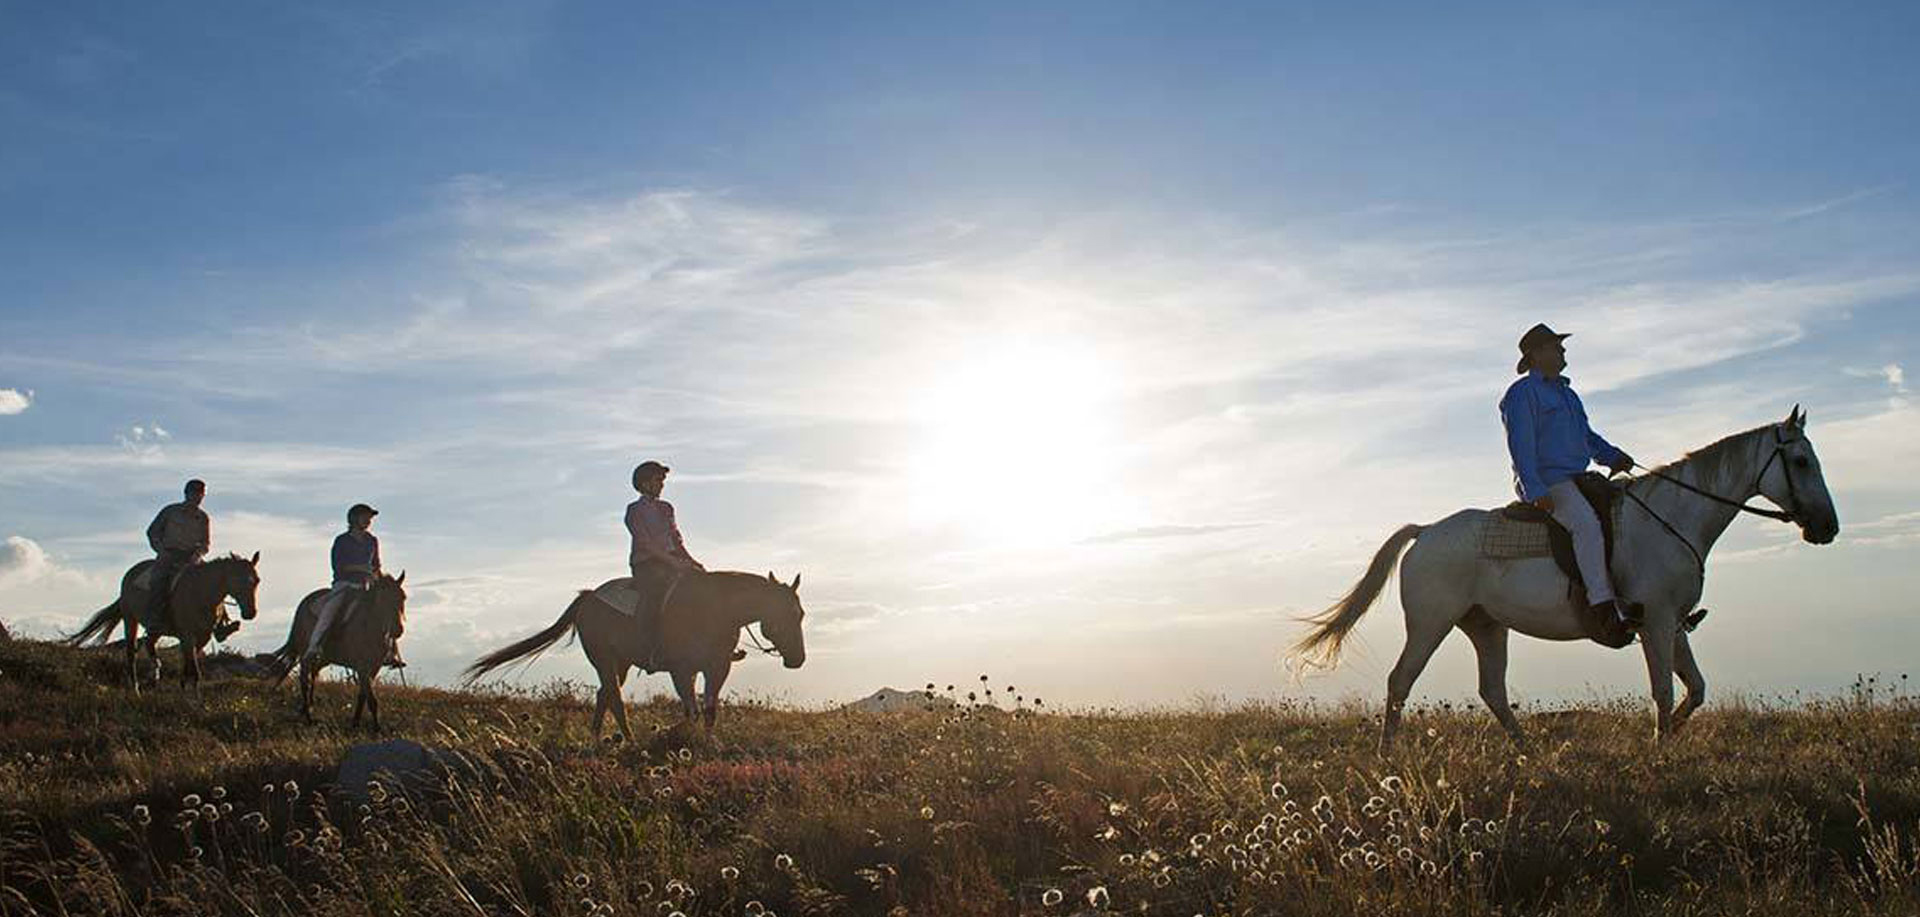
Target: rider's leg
[651, 582]
[1572, 511]
[323, 619]
[159, 585]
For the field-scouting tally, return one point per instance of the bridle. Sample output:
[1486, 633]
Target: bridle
[1780, 444]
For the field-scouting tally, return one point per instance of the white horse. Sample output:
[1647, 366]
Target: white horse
[1668, 522]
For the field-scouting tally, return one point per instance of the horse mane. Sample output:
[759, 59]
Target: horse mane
[1711, 459]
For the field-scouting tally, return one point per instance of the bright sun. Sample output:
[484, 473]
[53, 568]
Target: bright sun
[1018, 447]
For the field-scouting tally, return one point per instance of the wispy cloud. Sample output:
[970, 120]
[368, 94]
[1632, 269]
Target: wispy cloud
[1153, 532]
[14, 401]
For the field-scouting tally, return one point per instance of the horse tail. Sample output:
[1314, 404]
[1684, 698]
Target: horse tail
[1321, 648]
[284, 659]
[97, 627]
[530, 647]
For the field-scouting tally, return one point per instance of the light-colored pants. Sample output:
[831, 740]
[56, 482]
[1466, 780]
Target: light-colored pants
[1575, 514]
[330, 606]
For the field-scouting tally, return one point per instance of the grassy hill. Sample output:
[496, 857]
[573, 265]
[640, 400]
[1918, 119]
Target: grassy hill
[170, 804]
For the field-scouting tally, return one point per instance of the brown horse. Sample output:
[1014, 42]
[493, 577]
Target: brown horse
[703, 619]
[359, 641]
[195, 610]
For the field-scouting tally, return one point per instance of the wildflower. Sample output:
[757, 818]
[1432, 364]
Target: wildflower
[686, 754]
[191, 802]
[1427, 868]
[1116, 809]
[1097, 897]
[926, 813]
[729, 873]
[195, 853]
[1107, 834]
[292, 788]
[1051, 897]
[218, 793]
[755, 908]
[209, 813]
[1198, 841]
[645, 889]
[1432, 733]
[141, 815]
[1405, 854]
[1375, 805]
[783, 862]
[296, 837]
[1126, 859]
[1279, 791]
[1391, 784]
[581, 880]
[266, 789]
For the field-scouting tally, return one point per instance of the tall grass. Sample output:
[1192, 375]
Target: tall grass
[168, 804]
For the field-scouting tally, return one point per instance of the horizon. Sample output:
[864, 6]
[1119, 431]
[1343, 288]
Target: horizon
[1084, 347]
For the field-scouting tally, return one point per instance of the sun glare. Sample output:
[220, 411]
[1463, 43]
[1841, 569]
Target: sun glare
[1018, 447]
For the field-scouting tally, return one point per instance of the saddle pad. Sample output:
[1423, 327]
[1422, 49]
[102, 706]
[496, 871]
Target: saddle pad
[620, 594]
[1506, 538]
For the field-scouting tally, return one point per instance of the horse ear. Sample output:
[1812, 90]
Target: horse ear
[256, 559]
[772, 579]
[796, 583]
[402, 581]
[1795, 418]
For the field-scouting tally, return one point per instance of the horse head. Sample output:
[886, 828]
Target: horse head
[780, 619]
[389, 597]
[1798, 485]
[240, 578]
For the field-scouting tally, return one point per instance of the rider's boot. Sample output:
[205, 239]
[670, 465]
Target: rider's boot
[1608, 624]
[225, 629]
[393, 656]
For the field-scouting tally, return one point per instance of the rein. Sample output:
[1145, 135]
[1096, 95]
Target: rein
[747, 629]
[1699, 559]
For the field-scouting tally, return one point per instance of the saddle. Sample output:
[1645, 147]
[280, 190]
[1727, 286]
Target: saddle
[1603, 495]
[144, 579]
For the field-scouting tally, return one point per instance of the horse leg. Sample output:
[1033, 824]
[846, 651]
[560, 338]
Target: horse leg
[373, 699]
[307, 674]
[715, 679]
[618, 702]
[359, 698]
[131, 627]
[1424, 634]
[1657, 642]
[683, 686]
[1490, 646]
[1689, 671]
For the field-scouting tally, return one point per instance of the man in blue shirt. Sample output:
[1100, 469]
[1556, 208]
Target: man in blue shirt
[356, 561]
[1551, 444]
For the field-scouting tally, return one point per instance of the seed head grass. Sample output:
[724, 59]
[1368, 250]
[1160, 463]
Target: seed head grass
[227, 804]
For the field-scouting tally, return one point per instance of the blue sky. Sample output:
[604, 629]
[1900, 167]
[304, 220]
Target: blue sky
[1081, 344]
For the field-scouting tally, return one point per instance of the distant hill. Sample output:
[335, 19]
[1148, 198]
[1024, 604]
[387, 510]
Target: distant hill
[891, 700]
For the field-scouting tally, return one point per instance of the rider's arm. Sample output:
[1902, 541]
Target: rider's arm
[1516, 412]
[1598, 448]
[157, 531]
[679, 551]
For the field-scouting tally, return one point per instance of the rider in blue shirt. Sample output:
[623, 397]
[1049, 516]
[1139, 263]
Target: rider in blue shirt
[1552, 443]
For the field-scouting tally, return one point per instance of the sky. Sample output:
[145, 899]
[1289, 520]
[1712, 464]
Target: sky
[1085, 345]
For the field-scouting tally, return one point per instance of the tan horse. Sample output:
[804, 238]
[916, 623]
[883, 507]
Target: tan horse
[703, 620]
[359, 641]
[195, 609]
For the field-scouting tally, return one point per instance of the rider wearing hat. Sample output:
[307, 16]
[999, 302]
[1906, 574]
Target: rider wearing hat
[658, 557]
[356, 562]
[1551, 444]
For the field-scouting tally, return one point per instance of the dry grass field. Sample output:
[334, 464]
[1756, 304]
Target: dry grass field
[168, 804]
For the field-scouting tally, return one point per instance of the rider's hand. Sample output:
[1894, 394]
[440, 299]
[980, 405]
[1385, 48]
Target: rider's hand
[1622, 464]
[1545, 502]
